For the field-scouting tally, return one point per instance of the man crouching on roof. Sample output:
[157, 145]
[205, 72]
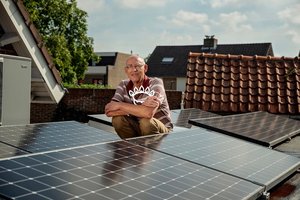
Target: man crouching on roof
[139, 106]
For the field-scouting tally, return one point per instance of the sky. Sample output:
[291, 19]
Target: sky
[138, 26]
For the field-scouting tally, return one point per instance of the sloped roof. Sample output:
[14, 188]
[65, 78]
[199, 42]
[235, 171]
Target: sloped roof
[178, 67]
[23, 39]
[106, 58]
[236, 83]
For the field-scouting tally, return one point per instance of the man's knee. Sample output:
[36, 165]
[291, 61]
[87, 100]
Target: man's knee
[146, 126]
[118, 122]
[152, 126]
[124, 127]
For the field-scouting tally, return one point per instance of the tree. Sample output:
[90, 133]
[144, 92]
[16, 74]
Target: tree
[63, 28]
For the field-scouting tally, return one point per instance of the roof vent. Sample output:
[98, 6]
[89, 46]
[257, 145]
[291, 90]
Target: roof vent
[210, 42]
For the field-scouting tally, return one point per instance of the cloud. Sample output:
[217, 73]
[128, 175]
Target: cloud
[182, 18]
[91, 6]
[291, 17]
[168, 38]
[291, 14]
[222, 3]
[295, 36]
[141, 4]
[234, 21]
[265, 5]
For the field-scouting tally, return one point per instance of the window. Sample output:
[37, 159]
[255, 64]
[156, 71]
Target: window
[167, 60]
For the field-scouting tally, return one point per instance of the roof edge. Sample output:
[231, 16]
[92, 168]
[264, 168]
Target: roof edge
[240, 57]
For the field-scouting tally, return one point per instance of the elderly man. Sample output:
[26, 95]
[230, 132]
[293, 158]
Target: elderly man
[139, 106]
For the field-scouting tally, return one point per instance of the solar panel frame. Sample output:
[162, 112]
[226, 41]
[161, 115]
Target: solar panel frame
[227, 154]
[259, 127]
[98, 120]
[185, 115]
[116, 170]
[101, 118]
[53, 135]
[9, 151]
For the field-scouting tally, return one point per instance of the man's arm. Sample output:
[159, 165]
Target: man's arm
[146, 110]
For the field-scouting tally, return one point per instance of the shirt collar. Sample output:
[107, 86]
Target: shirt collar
[146, 83]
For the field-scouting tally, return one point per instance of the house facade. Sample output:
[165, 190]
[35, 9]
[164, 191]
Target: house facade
[108, 71]
[169, 62]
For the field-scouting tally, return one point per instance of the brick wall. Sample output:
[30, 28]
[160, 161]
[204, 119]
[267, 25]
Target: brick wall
[77, 104]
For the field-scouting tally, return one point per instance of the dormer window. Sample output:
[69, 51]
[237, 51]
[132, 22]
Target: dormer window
[167, 60]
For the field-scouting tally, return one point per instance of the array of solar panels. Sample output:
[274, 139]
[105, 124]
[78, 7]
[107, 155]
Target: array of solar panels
[259, 127]
[41, 137]
[70, 160]
[230, 155]
[117, 170]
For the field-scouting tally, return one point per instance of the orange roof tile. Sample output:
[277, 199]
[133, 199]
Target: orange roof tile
[236, 83]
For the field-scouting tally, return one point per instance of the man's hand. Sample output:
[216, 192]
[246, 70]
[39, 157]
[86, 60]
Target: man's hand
[151, 101]
[146, 110]
[112, 107]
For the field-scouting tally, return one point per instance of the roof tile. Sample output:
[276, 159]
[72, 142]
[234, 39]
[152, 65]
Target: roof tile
[230, 83]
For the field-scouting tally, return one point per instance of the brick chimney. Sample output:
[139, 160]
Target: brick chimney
[210, 42]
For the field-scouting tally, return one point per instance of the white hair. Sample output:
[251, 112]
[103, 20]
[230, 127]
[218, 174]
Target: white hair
[139, 59]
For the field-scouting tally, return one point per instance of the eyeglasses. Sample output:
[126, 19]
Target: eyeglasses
[138, 67]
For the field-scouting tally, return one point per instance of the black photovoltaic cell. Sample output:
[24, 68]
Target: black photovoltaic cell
[53, 135]
[260, 127]
[9, 151]
[226, 154]
[185, 115]
[117, 170]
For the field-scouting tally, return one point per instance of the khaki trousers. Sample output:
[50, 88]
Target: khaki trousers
[129, 126]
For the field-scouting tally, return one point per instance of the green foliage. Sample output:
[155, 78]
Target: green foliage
[63, 28]
[87, 86]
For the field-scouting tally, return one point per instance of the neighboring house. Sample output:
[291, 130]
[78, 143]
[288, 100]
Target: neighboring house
[20, 38]
[169, 62]
[238, 84]
[108, 71]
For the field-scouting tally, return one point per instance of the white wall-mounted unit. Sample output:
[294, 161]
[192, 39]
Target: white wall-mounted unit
[15, 86]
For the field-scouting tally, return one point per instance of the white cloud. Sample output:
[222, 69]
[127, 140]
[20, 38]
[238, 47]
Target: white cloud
[206, 29]
[295, 36]
[141, 4]
[265, 5]
[291, 14]
[291, 18]
[91, 6]
[185, 17]
[234, 21]
[168, 38]
[222, 3]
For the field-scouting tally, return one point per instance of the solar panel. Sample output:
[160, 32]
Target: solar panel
[101, 118]
[192, 113]
[117, 170]
[259, 127]
[54, 135]
[226, 154]
[103, 122]
[291, 147]
[9, 151]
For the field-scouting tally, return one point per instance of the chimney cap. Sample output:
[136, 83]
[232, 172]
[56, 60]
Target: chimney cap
[210, 37]
[210, 43]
